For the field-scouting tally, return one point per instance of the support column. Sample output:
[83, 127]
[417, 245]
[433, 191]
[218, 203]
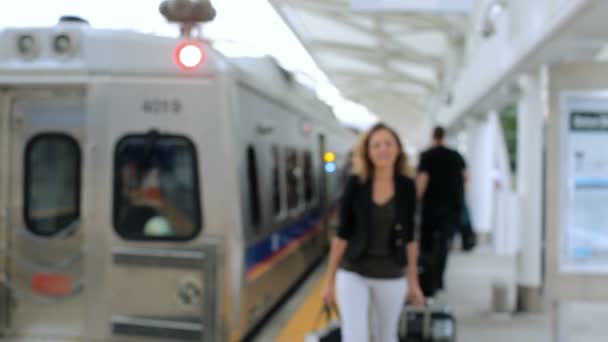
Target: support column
[506, 213]
[480, 189]
[530, 126]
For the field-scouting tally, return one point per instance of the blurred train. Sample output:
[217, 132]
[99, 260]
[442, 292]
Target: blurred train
[153, 189]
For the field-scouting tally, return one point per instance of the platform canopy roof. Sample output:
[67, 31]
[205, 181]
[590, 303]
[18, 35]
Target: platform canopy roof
[393, 62]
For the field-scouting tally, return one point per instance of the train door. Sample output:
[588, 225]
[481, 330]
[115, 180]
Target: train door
[42, 230]
[155, 254]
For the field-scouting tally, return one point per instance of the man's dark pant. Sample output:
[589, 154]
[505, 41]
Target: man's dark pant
[437, 230]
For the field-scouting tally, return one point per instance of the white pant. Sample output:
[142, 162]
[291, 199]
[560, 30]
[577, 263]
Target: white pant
[360, 298]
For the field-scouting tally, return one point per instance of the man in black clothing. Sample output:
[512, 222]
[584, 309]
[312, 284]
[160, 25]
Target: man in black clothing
[440, 183]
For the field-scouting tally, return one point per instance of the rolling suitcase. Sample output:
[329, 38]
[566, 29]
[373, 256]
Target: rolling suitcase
[431, 323]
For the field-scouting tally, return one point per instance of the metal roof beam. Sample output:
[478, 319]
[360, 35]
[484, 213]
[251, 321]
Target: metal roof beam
[392, 87]
[394, 93]
[430, 84]
[384, 94]
[421, 21]
[389, 112]
[349, 19]
[395, 49]
[396, 77]
[278, 6]
[319, 6]
[404, 88]
[354, 77]
[389, 39]
[333, 13]
[392, 52]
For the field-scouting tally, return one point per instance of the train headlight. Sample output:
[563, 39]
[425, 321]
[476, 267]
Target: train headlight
[26, 46]
[62, 44]
[190, 55]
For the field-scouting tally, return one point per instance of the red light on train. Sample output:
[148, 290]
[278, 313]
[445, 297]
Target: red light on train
[189, 56]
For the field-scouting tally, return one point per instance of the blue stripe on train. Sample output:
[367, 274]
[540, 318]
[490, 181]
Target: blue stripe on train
[266, 248]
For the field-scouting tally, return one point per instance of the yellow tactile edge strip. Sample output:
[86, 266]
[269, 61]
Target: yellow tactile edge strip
[305, 318]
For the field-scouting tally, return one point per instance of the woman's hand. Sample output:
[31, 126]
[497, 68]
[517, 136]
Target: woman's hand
[328, 294]
[415, 295]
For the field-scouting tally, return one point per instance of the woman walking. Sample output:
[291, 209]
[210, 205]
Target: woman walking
[374, 244]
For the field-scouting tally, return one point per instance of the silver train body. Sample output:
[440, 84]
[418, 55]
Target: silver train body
[142, 201]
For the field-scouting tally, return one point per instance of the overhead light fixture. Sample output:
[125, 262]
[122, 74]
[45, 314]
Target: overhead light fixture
[187, 13]
[492, 13]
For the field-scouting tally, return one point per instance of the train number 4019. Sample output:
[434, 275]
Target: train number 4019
[162, 106]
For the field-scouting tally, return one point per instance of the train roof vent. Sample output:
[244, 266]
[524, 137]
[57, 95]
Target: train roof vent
[72, 20]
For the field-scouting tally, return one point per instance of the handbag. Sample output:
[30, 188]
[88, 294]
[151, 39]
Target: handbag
[469, 238]
[427, 273]
[330, 333]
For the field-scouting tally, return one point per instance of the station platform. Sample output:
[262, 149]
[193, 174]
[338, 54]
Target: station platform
[470, 279]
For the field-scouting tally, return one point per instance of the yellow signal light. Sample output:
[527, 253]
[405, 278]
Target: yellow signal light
[329, 157]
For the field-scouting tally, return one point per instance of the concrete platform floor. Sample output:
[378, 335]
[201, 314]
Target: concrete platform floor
[470, 279]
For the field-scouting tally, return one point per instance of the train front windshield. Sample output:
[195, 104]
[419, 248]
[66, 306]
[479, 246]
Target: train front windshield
[156, 188]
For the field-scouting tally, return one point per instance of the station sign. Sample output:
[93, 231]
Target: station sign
[585, 232]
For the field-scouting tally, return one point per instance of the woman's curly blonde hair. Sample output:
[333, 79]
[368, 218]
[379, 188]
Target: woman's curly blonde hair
[362, 164]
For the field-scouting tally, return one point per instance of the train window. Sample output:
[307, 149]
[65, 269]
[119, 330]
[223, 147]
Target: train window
[308, 177]
[254, 193]
[156, 192]
[292, 173]
[52, 183]
[276, 184]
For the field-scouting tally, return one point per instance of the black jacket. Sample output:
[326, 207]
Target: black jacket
[355, 217]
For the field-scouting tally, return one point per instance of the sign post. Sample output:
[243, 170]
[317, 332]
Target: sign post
[576, 185]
